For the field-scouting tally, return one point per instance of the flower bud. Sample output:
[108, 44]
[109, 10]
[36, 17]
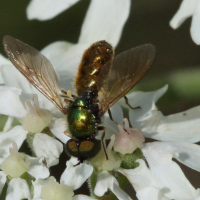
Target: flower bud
[16, 163]
[36, 119]
[129, 139]
[100, 161]
[52, 190]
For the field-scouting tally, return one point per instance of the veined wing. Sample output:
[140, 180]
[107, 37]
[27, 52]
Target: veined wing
[120, 74]
[35, 67]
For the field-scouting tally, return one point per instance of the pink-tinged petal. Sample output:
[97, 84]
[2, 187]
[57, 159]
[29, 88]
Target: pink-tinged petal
[106, 181]
[17, 135]
[38, 168]
[57, 127]
[65, 58]
[129, 139]
[82, 197]
[152, 192]
[2, 180]
[137, 176]
[105, 21]
[18, 189]
[47, 147]
[74, 177]
[47, 9]
[168, 174]
[10, 103]
[195, 27]
[187, 9]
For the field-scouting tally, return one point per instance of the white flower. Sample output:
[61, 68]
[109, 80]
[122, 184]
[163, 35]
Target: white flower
[14, 166]
[176, 133]
[47, 9]
[12, 104]
[187, 9]
[163, 179]
[71, 179]
[100, 161]
[129, 139]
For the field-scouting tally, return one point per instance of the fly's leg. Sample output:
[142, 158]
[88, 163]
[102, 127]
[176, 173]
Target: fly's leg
[100, 128]
[110, 116]
[67, 94]
[127, 103]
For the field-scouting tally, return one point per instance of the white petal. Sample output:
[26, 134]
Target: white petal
[82, 197]
[140, 177]
[38, 184]
[111, 127]
[105, 21]
[48, 147]
[169, 175]
[152, 192]
[8, 124]
[187, 9]
[188, 154]
[146, 100]
[65, 58]
[106, 181]
[47, 9]
[57, 127]
[195, 30]
[19, 81]
[183, 126]
[18, 189]
[3, 61]
[38, 168]
[74, 177]
[10, 103]
[17, 135]
[2, 180]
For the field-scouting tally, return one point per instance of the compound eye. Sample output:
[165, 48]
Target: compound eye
[71, 148]
[83, 149]
[89, 148]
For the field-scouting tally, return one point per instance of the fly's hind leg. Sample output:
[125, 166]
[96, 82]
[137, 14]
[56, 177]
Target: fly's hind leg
[127, 103]
[100, 128]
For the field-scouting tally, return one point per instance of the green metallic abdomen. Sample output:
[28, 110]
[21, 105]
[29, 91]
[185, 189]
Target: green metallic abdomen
[81, 122]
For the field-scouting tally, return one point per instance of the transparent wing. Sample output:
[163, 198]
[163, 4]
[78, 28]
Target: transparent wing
[120, 74]
[35, 67]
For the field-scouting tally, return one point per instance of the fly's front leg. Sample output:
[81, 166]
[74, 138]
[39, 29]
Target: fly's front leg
[68, 94]
[127, 103]
[100, 128]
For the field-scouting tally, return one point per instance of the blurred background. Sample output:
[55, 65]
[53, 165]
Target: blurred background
[177, 61]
